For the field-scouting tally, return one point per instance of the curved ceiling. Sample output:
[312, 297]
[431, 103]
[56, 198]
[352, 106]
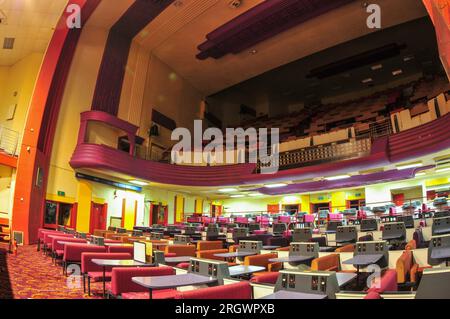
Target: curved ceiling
[174, 36]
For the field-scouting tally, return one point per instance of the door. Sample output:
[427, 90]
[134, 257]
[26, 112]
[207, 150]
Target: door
[273, 209]
[98, 217]
[50, 215]
[158, 214]
[398, 199]
[59, 214]
[216, 210]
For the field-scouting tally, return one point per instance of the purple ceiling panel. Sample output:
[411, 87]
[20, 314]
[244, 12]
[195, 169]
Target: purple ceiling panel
[262, 22]
[354, 181]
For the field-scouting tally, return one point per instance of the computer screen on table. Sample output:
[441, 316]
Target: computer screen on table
[140, 252]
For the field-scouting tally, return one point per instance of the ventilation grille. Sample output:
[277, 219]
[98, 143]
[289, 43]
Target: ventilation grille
[8, 43]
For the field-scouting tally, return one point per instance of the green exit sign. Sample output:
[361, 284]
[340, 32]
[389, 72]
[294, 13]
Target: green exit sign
[62, 194]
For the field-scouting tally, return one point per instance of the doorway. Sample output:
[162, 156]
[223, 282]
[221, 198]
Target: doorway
[158, 214]
[216, 210]
[98, 218]
[59, 214]
[315, 208]
[291, 209]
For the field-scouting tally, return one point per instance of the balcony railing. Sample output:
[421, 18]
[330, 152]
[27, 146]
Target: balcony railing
[9, 141]
[324, 153]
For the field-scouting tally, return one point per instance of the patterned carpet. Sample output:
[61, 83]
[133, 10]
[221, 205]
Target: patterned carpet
[31, 275]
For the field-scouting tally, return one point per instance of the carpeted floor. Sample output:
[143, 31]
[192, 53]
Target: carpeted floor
[31, 275]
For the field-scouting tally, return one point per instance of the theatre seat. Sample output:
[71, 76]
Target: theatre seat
[388, 283]
[326, 263]
[181, 250]
[266, 278]
[209, 254]
[241, 290]
[121, 281]
[94, 272]
[209, 245]
[416, 272]
[346, 249]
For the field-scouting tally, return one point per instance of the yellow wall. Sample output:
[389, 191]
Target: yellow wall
[6, 175]
[16, 87]
[84, 206]
[179, 212]
[130, 211]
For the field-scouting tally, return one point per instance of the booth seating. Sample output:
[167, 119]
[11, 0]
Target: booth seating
[122, 285]
[72, 253]
[411, 245]
[57, 251]
[180, 250]
[209, 245]
[41, 233]
[405, 264]
[321, 240]
[263, 261]
[326, 263]
[388, 283]
[94, 272]
[210, 254]
[367, 237]
[278, 241]
[121, 249]
[346, 249]
[241, 290]
[48, 237]
[266, 278]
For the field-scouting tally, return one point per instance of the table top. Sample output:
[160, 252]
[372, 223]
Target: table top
[179, 259]
[120, 263]
[291, 259]
[441, 231]
[363, 260]
[344, 278]
[244, 270]
[388, 237]
[440, 253]
[327, 249]
[284, 294]
[270, 247]
[173, 281]
[236, 254]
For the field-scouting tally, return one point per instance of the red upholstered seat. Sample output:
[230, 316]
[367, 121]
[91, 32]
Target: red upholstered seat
[170, 255]
[157, 294]
[97, 276]
[59, 253]
[73, 251]
[241, 290]
[121, 279]
[266, 278]
[95, 272]
[372, 295]
[183, 265]
[121, 249]
[388, 283]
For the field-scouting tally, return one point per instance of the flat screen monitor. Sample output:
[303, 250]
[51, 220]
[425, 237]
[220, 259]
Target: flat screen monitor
[140, 252]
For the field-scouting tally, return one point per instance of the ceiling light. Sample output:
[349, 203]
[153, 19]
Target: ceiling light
[140, 183]
[377, 67]
[275, 185]
[397, 72]
[255, 195]
[440, 170]
[237, 196]
[420, 174]
[406, 166]
[368, 80]
[228, 190]
[338, 177]
[408, 58]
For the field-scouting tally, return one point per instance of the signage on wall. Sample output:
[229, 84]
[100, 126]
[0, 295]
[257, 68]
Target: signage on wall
[61, 193]
[108, 182]
[358, 195]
